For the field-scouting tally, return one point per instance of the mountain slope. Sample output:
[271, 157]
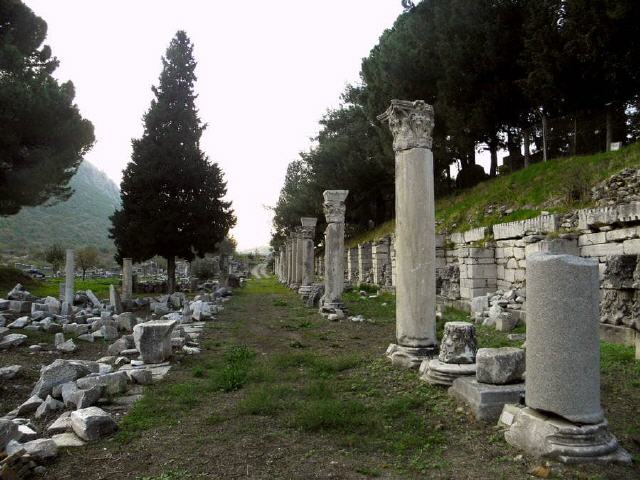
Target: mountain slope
[82, 220]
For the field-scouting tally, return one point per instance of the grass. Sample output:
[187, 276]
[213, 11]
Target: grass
[552, 186]
[254, 383]
[51, 286]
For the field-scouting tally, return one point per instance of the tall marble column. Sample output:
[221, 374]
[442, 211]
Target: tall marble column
[299, 260]
[308, 233]
[411, 124]
[289, 278]
[127, 279]
[69, 281]
[334, 209]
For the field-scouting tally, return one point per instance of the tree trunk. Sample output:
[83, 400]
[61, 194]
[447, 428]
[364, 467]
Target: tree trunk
[527, 146]
[83, 272]
[609, 122]
[493, 149]
[544, 138]
[171, 274]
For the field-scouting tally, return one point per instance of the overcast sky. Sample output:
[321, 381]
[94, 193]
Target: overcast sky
[267, 71]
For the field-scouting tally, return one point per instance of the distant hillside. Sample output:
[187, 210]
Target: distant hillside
[81, 220]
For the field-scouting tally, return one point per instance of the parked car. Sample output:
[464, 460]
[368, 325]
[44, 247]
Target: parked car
[35, 273]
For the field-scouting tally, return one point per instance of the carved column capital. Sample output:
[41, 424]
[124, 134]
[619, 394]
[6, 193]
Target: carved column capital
[334, 206]
[411, 124]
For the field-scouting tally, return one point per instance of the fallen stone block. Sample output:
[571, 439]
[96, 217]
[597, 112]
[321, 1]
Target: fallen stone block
[58, 373]
[20, 322]
[153, 340]
[29, 406]
[41, 449]
[8, 432]
[92, 423]
[61, 425]
[67, 440]
[26, 434]
[499, 366]
[49, 405]
[19, 306]
[141, 376]
[7, 373]
[113, 383]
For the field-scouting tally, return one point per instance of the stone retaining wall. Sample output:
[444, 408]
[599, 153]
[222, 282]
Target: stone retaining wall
[481, 261]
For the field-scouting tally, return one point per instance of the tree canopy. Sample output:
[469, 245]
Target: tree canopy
[495, 71]
[43, 136]
[172, 195]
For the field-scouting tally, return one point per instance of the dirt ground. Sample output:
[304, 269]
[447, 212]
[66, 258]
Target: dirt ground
[280, 393]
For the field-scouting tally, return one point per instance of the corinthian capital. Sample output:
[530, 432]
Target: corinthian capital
[411, 124]
[334, 207]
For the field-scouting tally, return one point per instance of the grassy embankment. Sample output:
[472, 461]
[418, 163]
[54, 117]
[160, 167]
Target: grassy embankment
[557, 186]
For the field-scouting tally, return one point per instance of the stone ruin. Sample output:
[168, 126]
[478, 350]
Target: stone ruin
[139, 352]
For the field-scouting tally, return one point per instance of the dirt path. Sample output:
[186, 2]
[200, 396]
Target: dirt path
[281, 393]
[259, 271]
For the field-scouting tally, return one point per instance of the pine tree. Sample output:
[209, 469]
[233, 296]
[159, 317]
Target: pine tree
[172, 195]
[43, 137]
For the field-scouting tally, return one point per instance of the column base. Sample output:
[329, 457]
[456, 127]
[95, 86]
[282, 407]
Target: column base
[294, 286]
[558, 439]
[410, 357]
[304, 291]
[436, 372]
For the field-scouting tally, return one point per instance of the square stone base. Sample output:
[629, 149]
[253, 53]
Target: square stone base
[486, 401]
[558, 439]
[410, 357]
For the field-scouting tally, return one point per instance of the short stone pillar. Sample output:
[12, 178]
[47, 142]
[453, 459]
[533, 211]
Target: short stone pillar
[352, 265]
[364, 263]
[334, 209]
[380, 261]
[127, 279]
[457, 355]
[563, 418]
[69, 281]
[307, 235]
[411, 124]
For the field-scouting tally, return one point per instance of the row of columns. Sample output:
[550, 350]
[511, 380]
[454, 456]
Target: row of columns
[411, 124]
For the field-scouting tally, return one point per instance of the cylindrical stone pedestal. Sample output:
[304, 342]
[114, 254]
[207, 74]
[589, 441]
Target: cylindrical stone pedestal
[563, 348]
[411, 124]
[70, 278]
[334, 209]
[127, 279]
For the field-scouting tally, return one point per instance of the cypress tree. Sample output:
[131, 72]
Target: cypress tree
[172, 195]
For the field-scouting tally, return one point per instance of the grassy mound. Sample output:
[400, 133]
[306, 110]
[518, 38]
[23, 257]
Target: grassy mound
[557, 186]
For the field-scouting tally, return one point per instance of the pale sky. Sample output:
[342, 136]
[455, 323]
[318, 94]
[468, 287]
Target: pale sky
[267, 71]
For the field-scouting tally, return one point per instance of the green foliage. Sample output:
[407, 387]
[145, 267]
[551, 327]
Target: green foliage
[171, 193]
[43, 136]
[87, 257]
[55, 255]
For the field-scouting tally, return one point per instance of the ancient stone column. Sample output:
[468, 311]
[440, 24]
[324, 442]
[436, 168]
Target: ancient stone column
[69, 279]
[563, 419]
[127, 279]
[411, 124]
[299, 260]
[334, 209]
[563, 346]
[364, 263]
[290, 261]
[308, 233]
[380, 257]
